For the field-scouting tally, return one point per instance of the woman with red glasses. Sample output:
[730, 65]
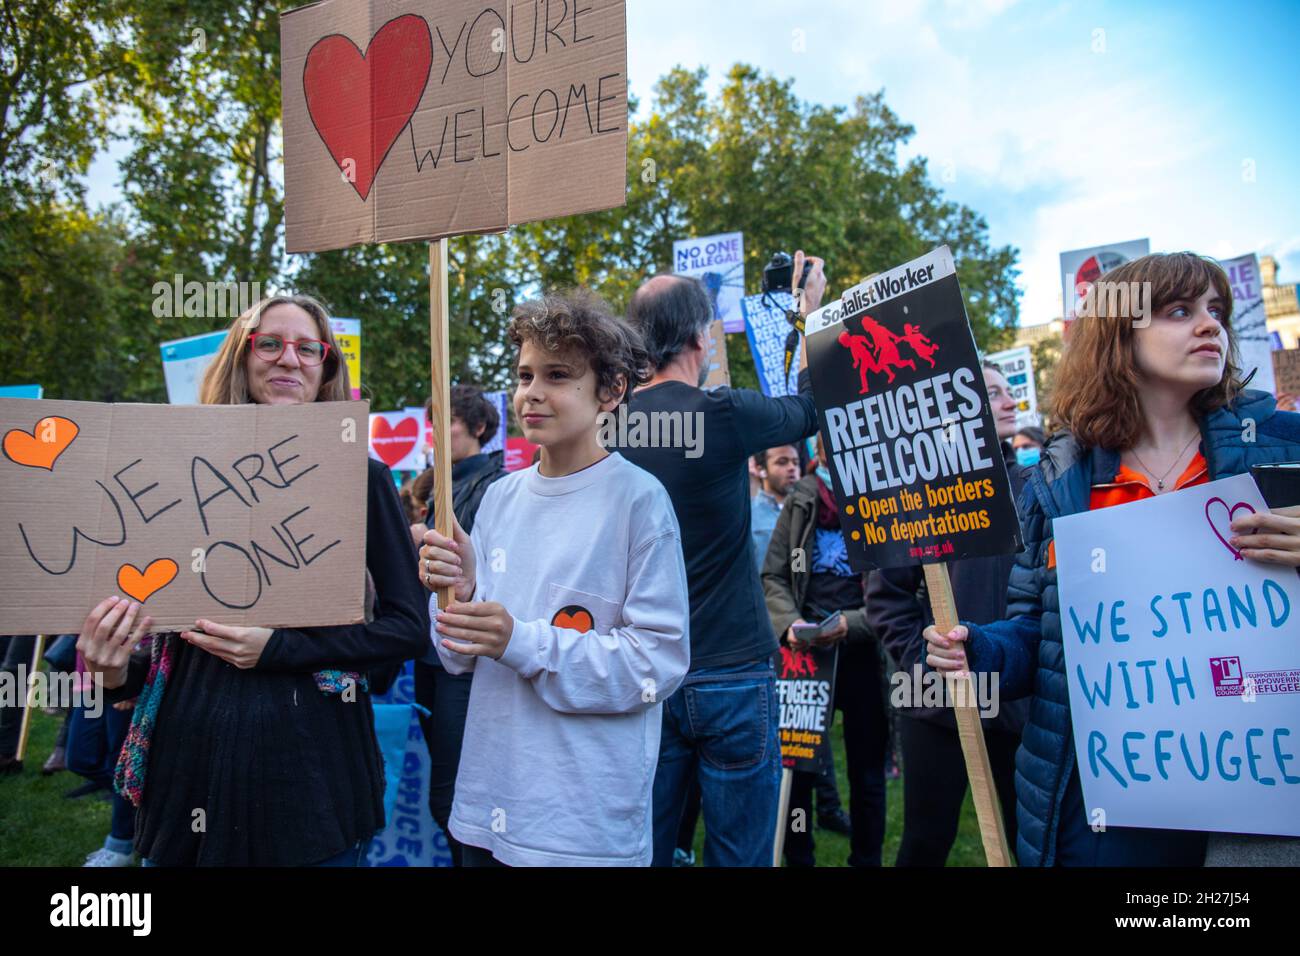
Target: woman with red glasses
[268, 732]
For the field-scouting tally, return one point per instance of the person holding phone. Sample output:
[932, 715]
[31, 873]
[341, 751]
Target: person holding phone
[258, 744]
[806, 580]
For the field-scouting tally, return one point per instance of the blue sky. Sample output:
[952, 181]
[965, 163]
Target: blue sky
[1066, 124]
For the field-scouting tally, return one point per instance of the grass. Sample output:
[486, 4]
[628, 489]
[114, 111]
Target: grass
[832, 849]
[41, 828]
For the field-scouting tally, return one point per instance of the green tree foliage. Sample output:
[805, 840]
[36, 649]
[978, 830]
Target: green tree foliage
[62, 71]
[193, 86]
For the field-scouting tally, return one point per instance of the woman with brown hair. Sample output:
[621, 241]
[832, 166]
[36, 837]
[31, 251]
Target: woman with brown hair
[1151, 399]
[265, 736]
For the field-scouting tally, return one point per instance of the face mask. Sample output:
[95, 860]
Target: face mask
[1028, 457]
[824, 474]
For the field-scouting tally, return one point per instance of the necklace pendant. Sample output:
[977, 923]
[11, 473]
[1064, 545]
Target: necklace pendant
[1160, 485]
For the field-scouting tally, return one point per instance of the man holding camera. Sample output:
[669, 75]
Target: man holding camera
[721, 726]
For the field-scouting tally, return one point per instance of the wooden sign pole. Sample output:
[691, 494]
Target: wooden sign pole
[782, 812]
[965, 708]
[26, 725]
[440, 392]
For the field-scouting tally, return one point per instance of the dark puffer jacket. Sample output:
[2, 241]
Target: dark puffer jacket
[898, 610]
[1026, 649]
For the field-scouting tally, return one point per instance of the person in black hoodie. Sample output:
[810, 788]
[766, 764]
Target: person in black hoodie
[934, 770]
[268, 732]
[474, 420]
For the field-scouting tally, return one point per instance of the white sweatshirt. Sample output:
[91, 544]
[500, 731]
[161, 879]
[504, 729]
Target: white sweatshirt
[562, 736]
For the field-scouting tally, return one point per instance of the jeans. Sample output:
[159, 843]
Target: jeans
[446, 697]
[94, 744]
[352, 856]
[476, 857]
[721, 727]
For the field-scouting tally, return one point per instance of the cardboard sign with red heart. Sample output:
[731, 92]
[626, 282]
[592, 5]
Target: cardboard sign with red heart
[418, 119]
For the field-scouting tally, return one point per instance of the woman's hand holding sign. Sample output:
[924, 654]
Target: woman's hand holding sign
[107, 638]
[1268, 536]
[447, 562]
[241, 646]
[946, 652]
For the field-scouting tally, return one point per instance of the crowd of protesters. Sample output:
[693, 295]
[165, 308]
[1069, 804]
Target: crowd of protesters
[603, 676]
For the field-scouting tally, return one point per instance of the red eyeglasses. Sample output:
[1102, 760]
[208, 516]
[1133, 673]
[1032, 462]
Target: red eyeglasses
[270, 347]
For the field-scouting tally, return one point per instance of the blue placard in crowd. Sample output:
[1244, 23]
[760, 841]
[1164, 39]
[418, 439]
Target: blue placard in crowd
[411, 837]
[21, 391]
[767, 330]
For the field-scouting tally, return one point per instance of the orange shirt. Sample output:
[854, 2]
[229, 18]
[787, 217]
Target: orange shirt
[1130, 485]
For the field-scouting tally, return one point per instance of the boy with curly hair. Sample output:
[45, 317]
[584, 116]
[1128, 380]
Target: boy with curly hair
[571, 610]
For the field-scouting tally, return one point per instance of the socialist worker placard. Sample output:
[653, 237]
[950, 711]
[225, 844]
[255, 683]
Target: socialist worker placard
[914, 455]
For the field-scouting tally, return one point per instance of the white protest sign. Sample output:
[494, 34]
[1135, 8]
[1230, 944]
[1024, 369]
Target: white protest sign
[1248, 320]
[719, 263]
[1080, 268]
[501, 401]
[396, 439]
[1183, 663]
[185, 361]
[1017, 366]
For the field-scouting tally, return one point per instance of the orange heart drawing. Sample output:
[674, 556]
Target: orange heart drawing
[141, 584]
[25, 448]
[575, 616]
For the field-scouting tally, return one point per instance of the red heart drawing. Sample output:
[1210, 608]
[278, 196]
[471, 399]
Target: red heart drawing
[575, 616]
[1231, 511]
[392, 444]
[360, 103]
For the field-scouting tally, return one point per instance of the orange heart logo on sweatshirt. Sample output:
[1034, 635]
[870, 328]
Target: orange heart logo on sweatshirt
[141, 584]
[42, 446]
[575, 616]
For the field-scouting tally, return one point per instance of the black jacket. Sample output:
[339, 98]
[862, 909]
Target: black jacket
[286, 775]
[709, 488]
[470, 478]
[898, 610]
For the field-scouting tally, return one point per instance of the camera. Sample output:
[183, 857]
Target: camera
[779, 272]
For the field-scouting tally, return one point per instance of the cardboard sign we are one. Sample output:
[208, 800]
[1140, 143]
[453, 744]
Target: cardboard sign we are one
[243, 514]
[416, 119]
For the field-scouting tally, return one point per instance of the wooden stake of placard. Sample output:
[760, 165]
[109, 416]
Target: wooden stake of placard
[440, 394]
[965, 708]
[782, 812]
[26, 726]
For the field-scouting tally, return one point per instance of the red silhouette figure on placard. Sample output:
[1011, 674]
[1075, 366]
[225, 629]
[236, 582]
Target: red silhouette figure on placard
[863, 360]
[922, 346]
[797, 664]
[886, 343]
[876, 350]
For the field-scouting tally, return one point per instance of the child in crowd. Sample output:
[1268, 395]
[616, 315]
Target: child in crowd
[571, 610]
